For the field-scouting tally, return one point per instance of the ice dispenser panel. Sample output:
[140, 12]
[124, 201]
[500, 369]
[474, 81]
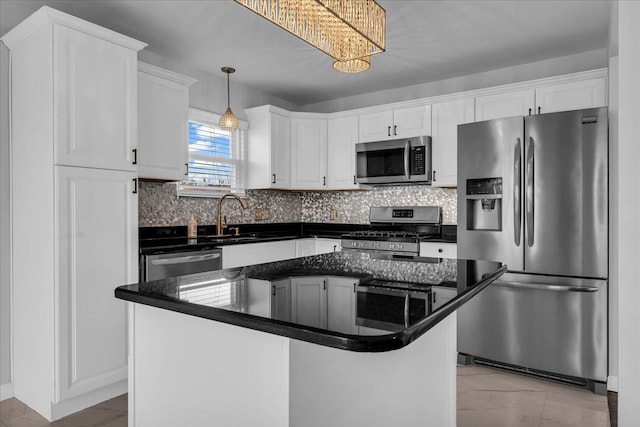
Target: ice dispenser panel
[484, 204]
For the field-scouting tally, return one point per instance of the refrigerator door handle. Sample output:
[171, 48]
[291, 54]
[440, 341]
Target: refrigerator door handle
[540, 286]
[529, 196]
[517, 177]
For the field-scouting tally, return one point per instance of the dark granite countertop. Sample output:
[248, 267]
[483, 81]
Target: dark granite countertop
[154, 240]
[243, 297]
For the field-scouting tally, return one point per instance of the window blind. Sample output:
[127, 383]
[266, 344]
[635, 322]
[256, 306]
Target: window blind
[216, 158]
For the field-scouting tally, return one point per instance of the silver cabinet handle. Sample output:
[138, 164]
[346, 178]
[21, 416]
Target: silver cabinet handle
[407, 160]
[530, 191]
[540, 286]
[184, 259]
[517, 177]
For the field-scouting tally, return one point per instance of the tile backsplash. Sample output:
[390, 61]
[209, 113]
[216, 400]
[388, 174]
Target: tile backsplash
[158, 205]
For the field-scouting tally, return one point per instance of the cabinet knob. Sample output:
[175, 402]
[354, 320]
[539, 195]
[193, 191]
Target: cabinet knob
[529, 111]
[440, 250]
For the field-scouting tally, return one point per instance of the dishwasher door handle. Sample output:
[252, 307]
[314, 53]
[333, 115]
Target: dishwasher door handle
[544, 287]
[184, 259]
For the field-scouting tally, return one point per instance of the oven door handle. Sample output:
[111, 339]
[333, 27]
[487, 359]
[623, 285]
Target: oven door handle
[184, 259]
[407, 160]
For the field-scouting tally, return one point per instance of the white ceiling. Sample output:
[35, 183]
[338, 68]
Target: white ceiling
[426, 40]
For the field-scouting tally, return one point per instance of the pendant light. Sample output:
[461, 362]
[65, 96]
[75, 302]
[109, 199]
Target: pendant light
[228, 121]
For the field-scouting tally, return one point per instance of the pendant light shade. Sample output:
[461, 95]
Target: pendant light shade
[228, 121]
[352, 65]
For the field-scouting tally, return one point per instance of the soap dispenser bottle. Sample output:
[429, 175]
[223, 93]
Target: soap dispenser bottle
[192, 228]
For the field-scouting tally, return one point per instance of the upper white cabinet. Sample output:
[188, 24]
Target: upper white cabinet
[550, 98]
[342, 137]
[398, 123]
[446, 118]
[574, 95]
[505, 104]
[73, 103]
[95, 101]
[269, 148]
[163, 116]
[309, 153]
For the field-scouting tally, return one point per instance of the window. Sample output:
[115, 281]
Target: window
[216, 157]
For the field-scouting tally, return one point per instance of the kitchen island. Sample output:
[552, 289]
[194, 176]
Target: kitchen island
[340, 339]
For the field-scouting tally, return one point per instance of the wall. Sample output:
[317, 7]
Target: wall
[159, 205]
[6, 389]
[548, 68]
[628, 216]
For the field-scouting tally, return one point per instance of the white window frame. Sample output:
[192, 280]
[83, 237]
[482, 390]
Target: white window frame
[239, 143]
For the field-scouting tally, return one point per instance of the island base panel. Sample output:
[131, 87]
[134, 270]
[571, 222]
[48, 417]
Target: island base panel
[186, 370]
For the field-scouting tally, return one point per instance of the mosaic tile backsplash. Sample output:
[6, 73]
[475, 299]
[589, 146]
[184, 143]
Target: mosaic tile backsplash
[158, 205]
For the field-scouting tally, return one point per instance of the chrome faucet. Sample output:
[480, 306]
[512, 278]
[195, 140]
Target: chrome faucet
[219, 226]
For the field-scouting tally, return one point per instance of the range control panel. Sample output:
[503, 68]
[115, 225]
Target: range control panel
[402, 213]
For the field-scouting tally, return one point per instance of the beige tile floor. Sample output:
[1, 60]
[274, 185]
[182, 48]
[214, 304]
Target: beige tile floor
[493, 398]
[486, 398]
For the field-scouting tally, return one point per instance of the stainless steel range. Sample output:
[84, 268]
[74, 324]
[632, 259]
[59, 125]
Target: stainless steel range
[396, 230]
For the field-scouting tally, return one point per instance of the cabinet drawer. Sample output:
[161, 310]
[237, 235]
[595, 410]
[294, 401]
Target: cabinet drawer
[438, 250]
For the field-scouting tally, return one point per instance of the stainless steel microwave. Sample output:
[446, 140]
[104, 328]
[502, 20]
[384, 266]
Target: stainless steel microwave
[398, 161]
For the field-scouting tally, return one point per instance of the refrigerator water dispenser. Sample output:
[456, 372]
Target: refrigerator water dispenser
[484, 204]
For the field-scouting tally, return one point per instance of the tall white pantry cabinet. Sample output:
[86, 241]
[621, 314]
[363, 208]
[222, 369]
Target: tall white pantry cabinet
[74, 209]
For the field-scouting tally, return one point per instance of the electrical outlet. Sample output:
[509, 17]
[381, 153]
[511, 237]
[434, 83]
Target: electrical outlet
[265, 213]
[333, 214]
[257, 214]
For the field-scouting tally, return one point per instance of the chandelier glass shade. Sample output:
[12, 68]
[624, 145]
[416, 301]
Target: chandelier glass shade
[228, 121]
[352, 65]
[346, 30]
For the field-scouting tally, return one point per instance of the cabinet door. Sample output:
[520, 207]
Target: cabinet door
[163, 116]
[341, 304]
[342, 136]
[446, 118]
[95, 99]
[411, 121]
[280, 152]
[576, 95]
[507, 104]
[96, 251]
[441, 295]
[309, 160]
[309, 301]
[281, 299]
[375, 126]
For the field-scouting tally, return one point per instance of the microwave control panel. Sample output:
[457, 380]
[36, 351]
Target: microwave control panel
[418, 160]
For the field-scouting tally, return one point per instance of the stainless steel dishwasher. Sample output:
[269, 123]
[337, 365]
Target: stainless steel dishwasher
[162, 266]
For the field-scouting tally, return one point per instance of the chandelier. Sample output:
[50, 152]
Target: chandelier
[228, 121]
[349, 31]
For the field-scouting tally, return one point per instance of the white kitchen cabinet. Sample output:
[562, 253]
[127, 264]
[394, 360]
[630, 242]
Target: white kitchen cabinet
[397, 123]
[446, 118]
[505, 104]
[309, 154]
[73, 103]
[575, 95]
[163, 117]
[438, 250]
[257, 253]
[95, 100]
[97, 250]
[269, 148]
[341, 304]
[309, 300]
[325, 246]
[441, 295]
[342, 137]
[281, 299]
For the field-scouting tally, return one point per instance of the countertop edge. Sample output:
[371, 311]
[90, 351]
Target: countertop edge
[359, 343]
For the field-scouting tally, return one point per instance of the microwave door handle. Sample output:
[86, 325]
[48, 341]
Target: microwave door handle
[407, 160]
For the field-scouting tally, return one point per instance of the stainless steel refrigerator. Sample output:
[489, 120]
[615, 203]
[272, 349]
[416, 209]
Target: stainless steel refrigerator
[533, 193]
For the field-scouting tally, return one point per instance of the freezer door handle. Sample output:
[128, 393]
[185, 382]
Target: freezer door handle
[530, 190]
[517, 177]
[544, 287]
